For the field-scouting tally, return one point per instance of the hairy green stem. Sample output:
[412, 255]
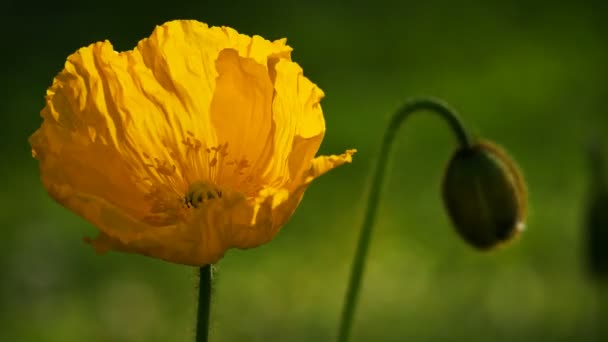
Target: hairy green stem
[411, 106]
[204, 304]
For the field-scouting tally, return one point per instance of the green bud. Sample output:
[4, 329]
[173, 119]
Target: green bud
[597, 236]
[485, 195]
[597, 217]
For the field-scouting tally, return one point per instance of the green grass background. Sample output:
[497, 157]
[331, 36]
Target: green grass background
[530, 76]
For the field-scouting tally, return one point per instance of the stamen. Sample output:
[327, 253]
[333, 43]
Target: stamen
[166, 180]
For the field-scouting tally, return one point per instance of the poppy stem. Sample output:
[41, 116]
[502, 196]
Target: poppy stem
[412, 106]
[597, 165]
[204, 303]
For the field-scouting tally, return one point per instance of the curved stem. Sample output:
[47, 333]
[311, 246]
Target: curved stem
[204, 303]
[410, 107]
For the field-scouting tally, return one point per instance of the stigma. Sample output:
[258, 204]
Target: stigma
[200, 192]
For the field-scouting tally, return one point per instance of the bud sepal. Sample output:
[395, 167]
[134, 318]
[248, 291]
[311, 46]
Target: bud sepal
[485, 195]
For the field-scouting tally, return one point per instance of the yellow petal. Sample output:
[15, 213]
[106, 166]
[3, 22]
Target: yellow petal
[231, 222]
[322, 164]
[126, 135]
[276, 206]
[299, 122]
[200, 240]
[241, 110]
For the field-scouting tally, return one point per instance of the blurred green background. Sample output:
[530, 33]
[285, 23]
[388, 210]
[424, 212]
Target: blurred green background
[532, 77]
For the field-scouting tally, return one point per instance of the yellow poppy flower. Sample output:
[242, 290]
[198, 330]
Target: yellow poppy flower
[198, 140]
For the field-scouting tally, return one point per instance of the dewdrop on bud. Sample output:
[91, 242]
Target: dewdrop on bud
[485, 195]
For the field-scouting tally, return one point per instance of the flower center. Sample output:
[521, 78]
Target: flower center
[200, 192]
[205, 170]
[217, 166]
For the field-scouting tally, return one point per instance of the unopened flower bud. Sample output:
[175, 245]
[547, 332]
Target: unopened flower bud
[597, 217]
[597, 236]
[485, 195]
